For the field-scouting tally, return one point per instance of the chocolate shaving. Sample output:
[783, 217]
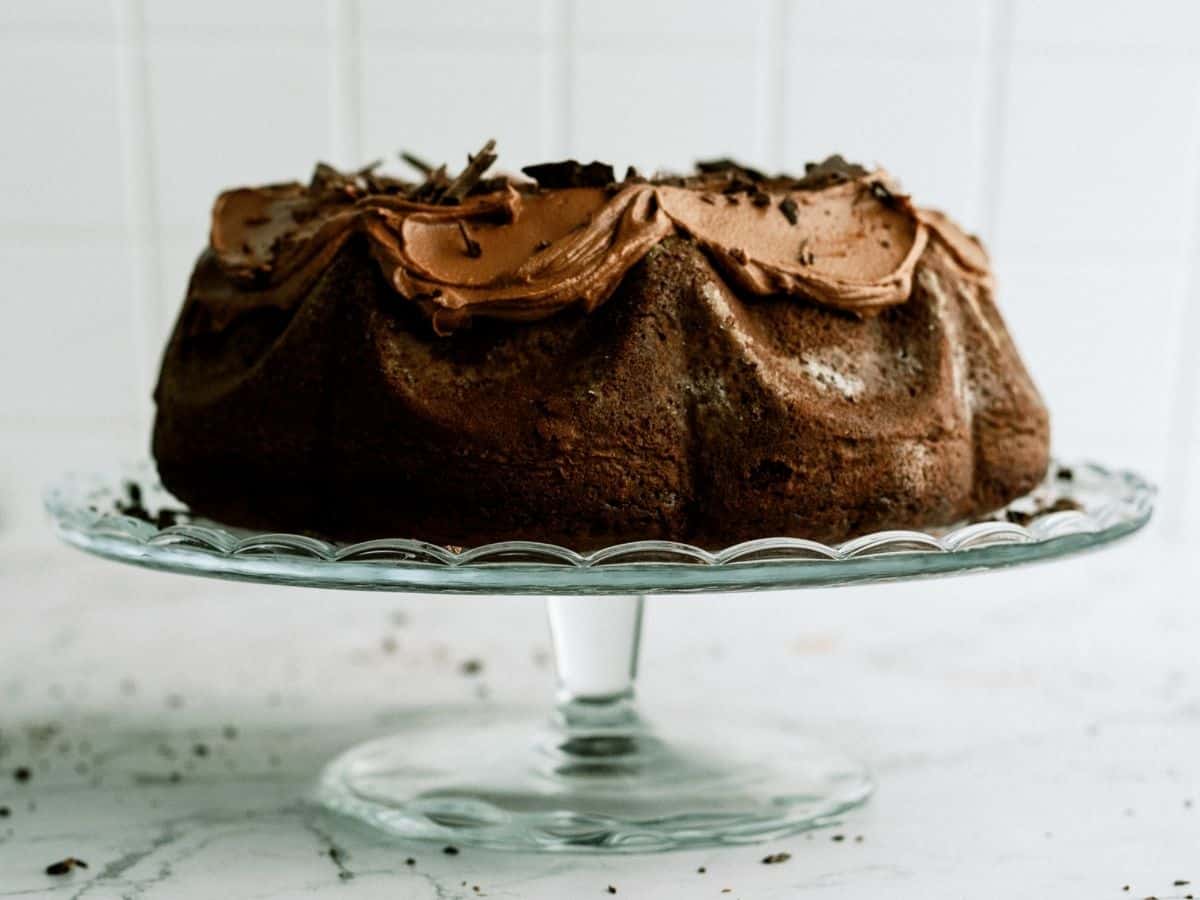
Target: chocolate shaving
[707, 198]
[804, 256]
[431, 188]
[830, 171]
[760, 199]
[739, 185]
[417, 163]
[790, 210]
[776, 858]
[880, 192]
[477, 165]
[325, 177]
[473, 249]
[570, 173]
[724, 164]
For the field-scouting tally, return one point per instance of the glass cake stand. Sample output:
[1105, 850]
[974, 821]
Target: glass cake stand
[594, 774]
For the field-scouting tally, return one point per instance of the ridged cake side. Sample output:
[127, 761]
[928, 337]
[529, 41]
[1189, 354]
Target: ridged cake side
[679, 409]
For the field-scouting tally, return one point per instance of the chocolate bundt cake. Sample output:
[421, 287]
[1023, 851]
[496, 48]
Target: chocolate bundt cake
[585, 360]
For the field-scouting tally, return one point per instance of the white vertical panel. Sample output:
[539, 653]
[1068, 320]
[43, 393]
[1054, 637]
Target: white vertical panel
[144, 248]
[345, 22]
[1105, 367]
[62, 17]
[997, 69]
[1099, 153]
[661, 85]
[69, 351]
[1096, 226]
[771, 96]
[268, 20]
[1118, 27]
[1181, 497]
[440, 84]
[232, 112]
[899, 85]
[558, 79]
[62, 154]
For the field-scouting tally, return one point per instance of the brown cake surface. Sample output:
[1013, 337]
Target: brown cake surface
[585, 361]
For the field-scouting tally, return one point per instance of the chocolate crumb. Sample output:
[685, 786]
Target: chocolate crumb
[790, 210]
[541, 245]
[200, 749]
[471, 666]
[774, 858]
[738, 254]
[450, 850]
[709, 199]
[611, 889]
[410, 862]
[1066, 473]
[65, 866]
[5, 812]
[22, 774]
[166, 518]
[760, 199]
[838, 837]
[1180, 882]
[702, 870]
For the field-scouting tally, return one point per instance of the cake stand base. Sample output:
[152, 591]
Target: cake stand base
[595, 776]
[496, 779]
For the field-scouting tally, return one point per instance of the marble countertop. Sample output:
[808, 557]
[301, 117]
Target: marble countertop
[1035, 732]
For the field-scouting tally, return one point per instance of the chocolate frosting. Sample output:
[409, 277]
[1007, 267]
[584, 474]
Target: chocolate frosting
[840, 236]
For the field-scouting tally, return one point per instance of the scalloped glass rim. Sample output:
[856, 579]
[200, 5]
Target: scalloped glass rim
[1114, 503]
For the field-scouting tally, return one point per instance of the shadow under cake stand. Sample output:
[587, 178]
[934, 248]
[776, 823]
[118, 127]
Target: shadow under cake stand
[594, 774]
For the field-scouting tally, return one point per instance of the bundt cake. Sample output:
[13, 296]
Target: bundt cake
[585, 360]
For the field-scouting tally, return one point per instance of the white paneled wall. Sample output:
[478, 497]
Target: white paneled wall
[1067, 133]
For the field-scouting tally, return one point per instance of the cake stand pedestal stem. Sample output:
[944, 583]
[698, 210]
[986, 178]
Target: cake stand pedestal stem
[596, 642]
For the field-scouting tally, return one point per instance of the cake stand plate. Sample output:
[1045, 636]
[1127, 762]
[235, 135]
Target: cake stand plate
[594, 775]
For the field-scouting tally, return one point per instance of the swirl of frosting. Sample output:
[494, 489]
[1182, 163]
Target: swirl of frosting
[519, 252]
